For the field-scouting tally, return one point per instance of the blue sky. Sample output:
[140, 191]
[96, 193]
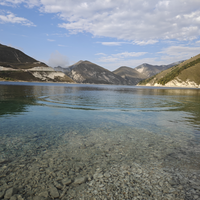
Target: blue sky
[110, 33]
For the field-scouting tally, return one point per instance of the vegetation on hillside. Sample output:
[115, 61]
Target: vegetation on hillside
[176, 71]
[144, 82]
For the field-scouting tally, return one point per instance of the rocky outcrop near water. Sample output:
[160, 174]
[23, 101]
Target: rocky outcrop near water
[46, 74]
[88, 72]
[185, 74]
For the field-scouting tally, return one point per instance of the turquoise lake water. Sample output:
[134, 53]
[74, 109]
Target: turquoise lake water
[136, 124]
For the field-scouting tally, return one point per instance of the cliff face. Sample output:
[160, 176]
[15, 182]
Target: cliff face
[186, 74]
[87, 72]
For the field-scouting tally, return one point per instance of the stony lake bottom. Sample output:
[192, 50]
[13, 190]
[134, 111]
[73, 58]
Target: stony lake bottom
[70, 141]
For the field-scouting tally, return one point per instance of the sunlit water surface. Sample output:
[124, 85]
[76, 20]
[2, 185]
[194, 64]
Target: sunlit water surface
[100, 124]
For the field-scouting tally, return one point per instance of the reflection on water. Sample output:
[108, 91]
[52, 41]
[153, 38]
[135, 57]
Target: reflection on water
[91, 126]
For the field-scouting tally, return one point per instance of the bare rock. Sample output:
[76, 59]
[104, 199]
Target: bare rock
[9, 193]
[13, 198]
[81, 180]
[38, 198]
[66, 181]
[44, 194]
[2, 194]
[54, 192]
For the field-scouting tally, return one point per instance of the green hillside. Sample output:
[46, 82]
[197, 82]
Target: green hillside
[188, 70]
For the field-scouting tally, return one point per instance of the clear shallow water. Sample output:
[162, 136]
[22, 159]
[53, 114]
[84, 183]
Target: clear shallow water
[34, 117]
[71, 130]
[53, 132]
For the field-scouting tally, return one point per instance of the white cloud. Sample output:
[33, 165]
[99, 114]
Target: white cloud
[112, 43]
[100, 54]
[176, 53]
[141, 43]
[61, 45]
[129, 20]
[50, 40]
[11, 18]
[138, 20]
[13, 3]
[129, 54]
[121, 56]
[58, 59]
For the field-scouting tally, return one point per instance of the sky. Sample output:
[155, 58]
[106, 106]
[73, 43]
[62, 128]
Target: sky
[110, 33]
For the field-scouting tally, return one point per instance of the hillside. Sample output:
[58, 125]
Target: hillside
[132, 76]
[17, 66]
[186, 74]
[151, 70]
[88, 72]
[16, 59]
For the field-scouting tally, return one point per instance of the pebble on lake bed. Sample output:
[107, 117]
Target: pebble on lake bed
[121, 167]
[80, 180]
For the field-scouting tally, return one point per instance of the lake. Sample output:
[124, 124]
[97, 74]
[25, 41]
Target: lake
[73, 141]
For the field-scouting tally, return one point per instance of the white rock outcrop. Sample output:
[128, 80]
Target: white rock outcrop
[43, 69]
[179, 83]
[47, 75]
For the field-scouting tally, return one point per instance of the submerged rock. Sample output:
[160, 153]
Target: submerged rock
[10, 192]
[66, 181]
[81, 180]
[54, 192]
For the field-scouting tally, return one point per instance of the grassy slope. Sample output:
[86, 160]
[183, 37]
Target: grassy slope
[189, 69]
[192, 72]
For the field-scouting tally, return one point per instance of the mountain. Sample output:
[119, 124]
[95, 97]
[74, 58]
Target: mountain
[132, 76]
[150, 70]
[185, 74]
[16, 65]
[88, 72]
[16, 59]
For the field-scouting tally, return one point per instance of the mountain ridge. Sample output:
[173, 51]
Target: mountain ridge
[88, 72]
[131, 75]
[151, 70]
[185, 74]
[17, 66]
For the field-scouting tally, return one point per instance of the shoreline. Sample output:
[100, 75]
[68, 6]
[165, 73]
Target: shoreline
[163, 86]
[148, 86]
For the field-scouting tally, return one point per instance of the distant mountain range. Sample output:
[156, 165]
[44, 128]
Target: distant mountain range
[131, 76]
[185, 74]
[88, 72]
[17, 66]
[150, 70]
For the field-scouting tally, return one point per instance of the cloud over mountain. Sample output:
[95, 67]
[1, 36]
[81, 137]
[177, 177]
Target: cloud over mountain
[57, 59]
